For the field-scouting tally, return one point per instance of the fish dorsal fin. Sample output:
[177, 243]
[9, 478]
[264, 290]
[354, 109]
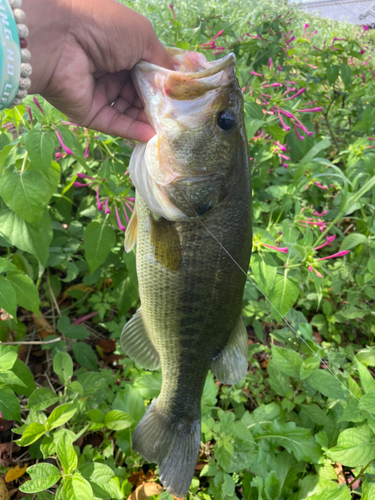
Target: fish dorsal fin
[230, 366]
[131, 232]
[137, 344]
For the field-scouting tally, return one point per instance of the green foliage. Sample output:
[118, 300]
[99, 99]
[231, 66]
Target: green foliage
[307, 405]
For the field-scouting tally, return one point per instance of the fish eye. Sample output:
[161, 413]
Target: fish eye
[226, 120]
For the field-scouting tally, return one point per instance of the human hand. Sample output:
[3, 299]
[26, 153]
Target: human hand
[82, 53]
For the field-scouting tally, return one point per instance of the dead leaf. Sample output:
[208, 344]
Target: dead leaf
[139, 477]
[145, 490]
[340, 473]
[80, 286]
[4, 493]
[107, 345]
[43, 327]
[5, 449]
[264, 363]
[15, 473]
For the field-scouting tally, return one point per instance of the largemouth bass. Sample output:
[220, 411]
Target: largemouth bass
[192, 182]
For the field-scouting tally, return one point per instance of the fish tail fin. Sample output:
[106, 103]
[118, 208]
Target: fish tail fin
[174, 446]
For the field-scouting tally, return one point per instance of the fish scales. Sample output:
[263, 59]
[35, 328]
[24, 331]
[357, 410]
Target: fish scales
[190, 288]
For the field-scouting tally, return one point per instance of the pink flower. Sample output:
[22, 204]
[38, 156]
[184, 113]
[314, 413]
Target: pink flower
[300, 137]
[28, 109]
[65, 148]
[320, 185]
[339, 254]
[107, 210]
[120, 225]
[37, 104]
[278, 249]
[218, 34]
[315, 271]
[81, 184]
[270, 65]
[282, 122]
[296, 95]
[87, 151]
[311, 110]
[256, 74]
[84, 176]
[99, 205]
[172, 9]
[327, 242]
[323, 213]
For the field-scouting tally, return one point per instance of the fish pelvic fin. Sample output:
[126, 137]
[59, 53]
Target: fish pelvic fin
[174, 446]
[137, 344]
[230, 366]
[131, 232]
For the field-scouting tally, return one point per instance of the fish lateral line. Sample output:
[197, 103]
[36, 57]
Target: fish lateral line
[293, 330]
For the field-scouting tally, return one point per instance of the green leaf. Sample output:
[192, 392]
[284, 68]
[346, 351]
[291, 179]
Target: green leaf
[98, 241]
[284, 294]
[63, 366]
[97, 472]
[31, 434]
[296, 440]
[355, 447]
[78, 332]
[26, 292]
[77, 488]
[367, 380]
[24, 194]
[254, 110]
[131, 402]
[352, 240]
[326, 384]
[264, 269]
[23, 373]
[288, 361]
[66, 453]
[346, 74]
[341, 493]
[332, 73]
[42, 398]
[60, 415]
[9, 378]
[9, 405]
[117, 420]
[7, 358]
[43, 476]
[252, 125]
[32, 238]
[8, 298]
[85, 356]
[40, 146]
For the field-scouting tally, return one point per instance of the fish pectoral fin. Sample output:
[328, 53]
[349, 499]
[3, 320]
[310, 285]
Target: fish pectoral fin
[131, 232]
[230, 366]
[173, 445]
[137, 344]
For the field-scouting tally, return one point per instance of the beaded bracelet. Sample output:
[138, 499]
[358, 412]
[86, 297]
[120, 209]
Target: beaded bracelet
[15, 68]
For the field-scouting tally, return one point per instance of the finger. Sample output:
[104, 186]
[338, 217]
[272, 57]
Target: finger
[110, 121]
[124, 107]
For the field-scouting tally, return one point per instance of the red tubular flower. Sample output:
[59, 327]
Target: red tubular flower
[256, 74]
[87, 151]
[81, 184]
[28, 109]
[172, 9]
[339, 254]
[311, 110]
[99, 205]
[65, 148]
[322, 213]
[84, 176]
[301, 91]
[315, 271]
[300, 137]
[327, 242]
[282, 122]
[278, 249]
[320, 185]
[107, 210]
[120, 225]
[37, 104]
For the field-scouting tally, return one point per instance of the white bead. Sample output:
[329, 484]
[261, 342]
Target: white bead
[25, 83]
[21, 94]
[17, 101]
[23, 30]
[25, 55]
[19, 16]
[15, 4]
[26, 70]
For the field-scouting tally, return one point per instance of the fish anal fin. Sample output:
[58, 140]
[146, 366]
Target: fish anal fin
[137, 344]
[131, 232]
[230, 366]
[174, 446]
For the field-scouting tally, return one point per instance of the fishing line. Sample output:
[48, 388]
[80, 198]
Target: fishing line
[299, 336]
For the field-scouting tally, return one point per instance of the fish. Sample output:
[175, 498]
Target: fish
[192, 229]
